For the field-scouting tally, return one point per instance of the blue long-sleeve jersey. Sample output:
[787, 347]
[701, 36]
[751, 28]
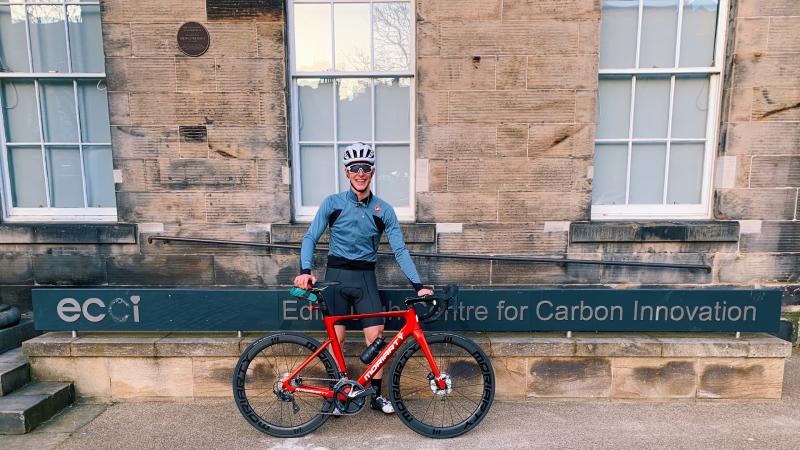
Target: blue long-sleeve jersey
[355, 234]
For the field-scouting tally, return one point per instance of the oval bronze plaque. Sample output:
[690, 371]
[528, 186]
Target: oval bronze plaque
[193, 39]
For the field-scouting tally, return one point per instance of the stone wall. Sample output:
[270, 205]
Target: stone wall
[506, 94]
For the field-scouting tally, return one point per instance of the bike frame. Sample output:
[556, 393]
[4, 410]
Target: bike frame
[411, 328]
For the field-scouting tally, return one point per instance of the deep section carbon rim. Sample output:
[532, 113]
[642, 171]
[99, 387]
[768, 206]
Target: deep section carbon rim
[449, 412]
[258, 377]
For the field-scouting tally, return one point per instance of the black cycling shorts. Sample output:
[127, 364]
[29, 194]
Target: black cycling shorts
[357, 294]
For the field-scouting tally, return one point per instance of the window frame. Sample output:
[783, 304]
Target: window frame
[715, 75]
[50, 214]
[306, 213]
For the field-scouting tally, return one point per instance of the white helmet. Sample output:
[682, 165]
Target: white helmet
[358, 152]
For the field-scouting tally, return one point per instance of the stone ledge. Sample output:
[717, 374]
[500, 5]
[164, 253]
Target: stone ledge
[68, 233]
[668, 345]
[612, 231]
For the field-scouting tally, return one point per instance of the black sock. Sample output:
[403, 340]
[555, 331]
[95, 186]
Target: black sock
[376, 385]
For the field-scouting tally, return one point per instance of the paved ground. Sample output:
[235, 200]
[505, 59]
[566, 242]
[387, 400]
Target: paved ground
[533, 424]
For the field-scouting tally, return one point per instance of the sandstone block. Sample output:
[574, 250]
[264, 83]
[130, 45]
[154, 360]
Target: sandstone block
[771, 204]
[456, 207]
[208, 174]
[741, 106]
[72, 270]
[491, 37]
[250, 75]
[641, 378]
[751, 35]
[456, 141]
[758, 8]
[144, 142]
[775, 171]
[783, 36]
[562, 72]
[450, 73]
[757, 267]
[177, 345]
[49, 344]
[740, 378]
[510, 378]
[774, 237]
[239, 207]
[554, 106]
[16, 269]
[248, 142]
[437, 176]
[428, 39]
[625, 346]
[589, 37]
[557, 9]
[161, 207]
[150, 377]
[762, 138]
[232, 39]
[531, 346]
[211, 377]
[558, 140]
[273, 109]
[195, 74]
[149, 75]
[270, 39]
[511, 72]
[540, 206]
[461, 10]
[569, 377]
[703, 347]
[253, 270]
[512, 140]
[154, 39]
[432, 108]
[190, 270]
[116, 39]
[90, 376]
[114, 346]
[119, 108]
[776, 103]
[586, 106]
[769, 347]
[524, 238]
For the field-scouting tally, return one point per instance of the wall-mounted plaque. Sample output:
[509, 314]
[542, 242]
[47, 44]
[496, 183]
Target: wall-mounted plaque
[193, 39]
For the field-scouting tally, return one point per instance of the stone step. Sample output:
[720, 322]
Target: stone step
[14, 371]
[13, 337]
[26, 408]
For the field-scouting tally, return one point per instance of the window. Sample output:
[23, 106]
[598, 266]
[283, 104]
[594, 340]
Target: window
[658, 101]
[352, 76]
[56, 144]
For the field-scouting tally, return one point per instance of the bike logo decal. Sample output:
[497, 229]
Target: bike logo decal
[377, 208]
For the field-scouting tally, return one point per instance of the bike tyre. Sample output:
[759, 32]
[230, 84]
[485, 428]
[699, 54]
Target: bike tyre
[418, 424]
[307, 346]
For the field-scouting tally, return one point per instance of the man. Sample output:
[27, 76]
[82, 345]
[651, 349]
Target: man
[357, 219]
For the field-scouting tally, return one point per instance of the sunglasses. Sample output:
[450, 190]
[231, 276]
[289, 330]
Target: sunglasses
[363, 168]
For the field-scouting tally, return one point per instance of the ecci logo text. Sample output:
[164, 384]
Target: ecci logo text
[95, 310]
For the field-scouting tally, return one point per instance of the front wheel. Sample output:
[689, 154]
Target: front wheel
[442, 413]
[258, 379]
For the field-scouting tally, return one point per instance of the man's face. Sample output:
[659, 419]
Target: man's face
[360, 175]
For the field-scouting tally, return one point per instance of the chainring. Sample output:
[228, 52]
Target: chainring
[342, 400]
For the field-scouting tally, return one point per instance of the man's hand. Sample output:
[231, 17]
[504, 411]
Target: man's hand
[304, 281]
[424, 292]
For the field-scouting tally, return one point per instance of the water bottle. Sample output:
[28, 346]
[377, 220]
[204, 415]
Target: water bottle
[372, 351]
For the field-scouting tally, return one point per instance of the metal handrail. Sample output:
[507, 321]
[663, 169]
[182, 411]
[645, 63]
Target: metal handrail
[518, 259]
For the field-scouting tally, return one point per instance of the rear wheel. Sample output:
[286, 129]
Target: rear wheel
[449, 412]
[258, 379]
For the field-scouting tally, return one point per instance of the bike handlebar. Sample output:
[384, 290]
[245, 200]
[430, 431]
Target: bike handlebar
[439, 303]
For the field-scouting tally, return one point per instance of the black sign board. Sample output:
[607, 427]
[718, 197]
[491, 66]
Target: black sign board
[132, 309]
[193, 39]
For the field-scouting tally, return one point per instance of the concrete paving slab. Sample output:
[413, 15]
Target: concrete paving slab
[72, 418]
[33, 441]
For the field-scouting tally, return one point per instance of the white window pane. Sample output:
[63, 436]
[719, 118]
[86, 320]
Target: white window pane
[392, 109]
[27, 177]
[315, 105]
[610, 168]
[647, 173]
[698, 33]
[352, 37]
[58, 111]
[613, 108]
[48, 38]
[19, 107]
[354, 115]
[392, 36]
[312, 37]
[99, 170]
[651, 108]
[690, 108]
[13, 53]
[618, 33]
[85, 38]
[93, 109]
[316, 169]
[344, 182]
[685, 173]
[393, 175]
[659, 31]
[64, 172]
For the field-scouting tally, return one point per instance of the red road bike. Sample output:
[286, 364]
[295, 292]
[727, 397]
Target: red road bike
[441, 385]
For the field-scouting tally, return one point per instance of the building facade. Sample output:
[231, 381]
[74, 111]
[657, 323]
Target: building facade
[660, 131]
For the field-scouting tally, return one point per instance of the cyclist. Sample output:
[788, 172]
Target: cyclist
[356, 219]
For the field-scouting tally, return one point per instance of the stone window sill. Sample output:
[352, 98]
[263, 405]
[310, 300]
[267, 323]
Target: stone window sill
[68, 233]
[629, 231]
